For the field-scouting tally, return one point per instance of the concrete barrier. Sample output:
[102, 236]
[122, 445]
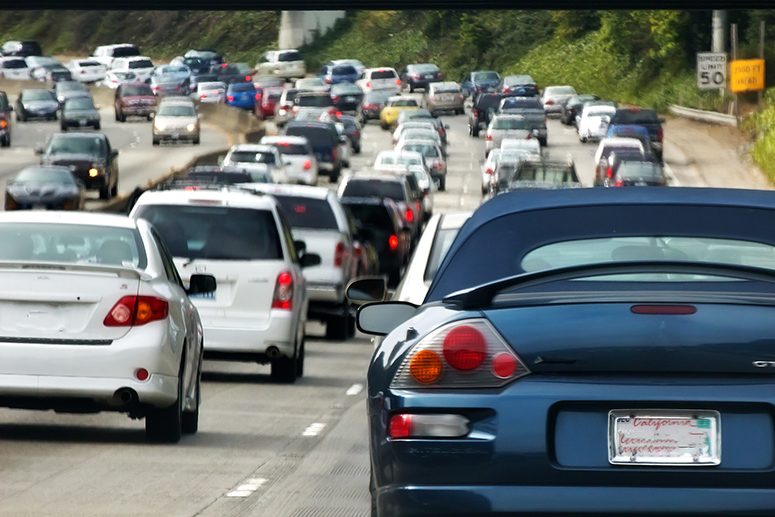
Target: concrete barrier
[710, 117]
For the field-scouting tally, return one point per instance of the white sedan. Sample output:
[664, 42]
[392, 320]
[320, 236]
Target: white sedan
[93, 317]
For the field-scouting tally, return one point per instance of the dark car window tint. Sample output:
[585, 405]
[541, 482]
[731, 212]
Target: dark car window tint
[136, 89]
[140, 63]
[251, 157]
[484, 102]
[72, 144]
[303, 212]
[242, 87]
[316, 136]
[14, 64]
[37, 176]
[343, 70]
[214, 232]
[486, 76]
[635, 117]
[290, 56]
[172, 110]
[375, 188]
[37, 95]
[79, 103]
[383, 74]
[126, 52]
[315, 101]
[374, 217]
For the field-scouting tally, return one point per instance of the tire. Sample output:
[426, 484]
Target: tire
[165, 425]
[475, 131]
[300, 360]
[97, 126]
[357, 150]
[114, 189]
[6, 141]
[190, 421]
[583, 140]
[443, 183]
[337, 327]
[543, 141]
[63, 127]
[155, 141]
[149, 117]
[284, 370]
[334, 176]
[196, 141]
[105, 192]
[394, 277]
[384, 126]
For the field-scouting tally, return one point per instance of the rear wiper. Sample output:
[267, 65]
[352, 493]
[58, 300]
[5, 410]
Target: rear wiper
[482, 295]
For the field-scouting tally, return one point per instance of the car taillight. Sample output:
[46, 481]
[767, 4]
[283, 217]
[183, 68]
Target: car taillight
[609, 172]
[415, 76]
[398, 81]
[393, 242]
[248, 78]
[550, 101]
[368, 84]
[201, 97]
[340, 253]
[488, 138]
[230, 98]
[489, 171]
[619, 183]
[333, 153]
[660, 134]
[136, 310]
[3, 123]
[436, 425]
[462, 354]
[438, 165]
[327, 80]
[307, 164]
[334, 98]
[409, 215]
[283, 292]
[258, 96]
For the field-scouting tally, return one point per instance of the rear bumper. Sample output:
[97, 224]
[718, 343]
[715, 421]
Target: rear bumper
[573, 500]
[278, 331]
[452, 105]
[138, 111]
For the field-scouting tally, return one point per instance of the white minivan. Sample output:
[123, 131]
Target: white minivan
[383, 79]
[259, 307]
[142, 66]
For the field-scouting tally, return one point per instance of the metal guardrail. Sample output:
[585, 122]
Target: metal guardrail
[712, 117]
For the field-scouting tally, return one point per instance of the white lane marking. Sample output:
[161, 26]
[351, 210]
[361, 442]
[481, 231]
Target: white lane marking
[247, 487]
[314, 429]
[465, 189]
[354, 390]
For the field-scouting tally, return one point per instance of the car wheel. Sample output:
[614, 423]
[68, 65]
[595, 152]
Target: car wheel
[357, 150]
[165, 425]
[7, 141]
[475, 131]
[442, 183]
[148, 117]
[190, 421]
[384, 126]
[97, 126]
[333, 177]
[196, 140]
[583, 139]
[543, 141]
[114, 189]
[284, 370]
[155, 141]
[337, 327]
[300, 361]
[62, 127]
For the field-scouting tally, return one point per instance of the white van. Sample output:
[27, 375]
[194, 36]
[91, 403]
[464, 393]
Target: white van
[257, 312]
[105, 54]
[383, 79]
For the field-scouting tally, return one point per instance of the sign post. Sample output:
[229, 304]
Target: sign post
[711, 70]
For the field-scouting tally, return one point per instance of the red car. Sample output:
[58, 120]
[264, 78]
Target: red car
[269, 100]
[136, 100]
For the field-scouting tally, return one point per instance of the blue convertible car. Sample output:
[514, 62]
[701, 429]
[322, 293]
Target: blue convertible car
[585, 351]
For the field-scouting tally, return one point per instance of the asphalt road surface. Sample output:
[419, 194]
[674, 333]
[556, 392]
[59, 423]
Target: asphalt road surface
[262, 449]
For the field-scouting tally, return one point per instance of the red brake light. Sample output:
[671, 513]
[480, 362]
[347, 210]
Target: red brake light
[398, 82]
[307, 164]
[248, 78]
[334, 98]
[230, 98]
[201, 97]
[618, 183]
[550, 101]
[400, 426]
[393, 242]
[136, 310]
[409, 215]
[609, 172]
[258, 96]
[339, 254]
[464, 348]
[283, 292]
[368, 84]
[489, 171]
[488, 138]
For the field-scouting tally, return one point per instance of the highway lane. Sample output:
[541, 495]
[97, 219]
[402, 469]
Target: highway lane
[262, 449]
[139, 161]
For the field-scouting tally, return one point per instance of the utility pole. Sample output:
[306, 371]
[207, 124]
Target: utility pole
[734, 57]
[719, 31]
[761, 55]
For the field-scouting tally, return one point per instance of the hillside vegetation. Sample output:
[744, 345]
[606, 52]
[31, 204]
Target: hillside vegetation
[240, 35]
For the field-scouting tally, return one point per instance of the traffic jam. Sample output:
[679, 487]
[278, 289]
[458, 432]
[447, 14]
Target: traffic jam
[538, 319]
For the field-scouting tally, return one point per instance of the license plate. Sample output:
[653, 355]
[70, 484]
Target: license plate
[175, 135]
[429, 76]
[447, 98]
[82, 122]
[349, 99]
[664, 437]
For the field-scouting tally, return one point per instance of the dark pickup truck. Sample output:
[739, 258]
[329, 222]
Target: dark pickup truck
[484, 106]
[646, 118]
[89, 156]
[530, 108]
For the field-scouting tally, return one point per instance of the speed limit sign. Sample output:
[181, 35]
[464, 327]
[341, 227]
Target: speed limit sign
[711, 70]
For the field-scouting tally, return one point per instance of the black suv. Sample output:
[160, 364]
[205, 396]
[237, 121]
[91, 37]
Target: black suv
[485, 104]
[325, 141]
[646, 118]
[89, 156]
[379, 222]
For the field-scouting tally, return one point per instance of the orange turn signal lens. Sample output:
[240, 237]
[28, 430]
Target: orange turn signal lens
[426, 367]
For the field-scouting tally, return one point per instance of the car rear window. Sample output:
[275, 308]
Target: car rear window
[127, 51]
[215, 232]
[136, 89]
[374, 217]
[72, 244]
[291, 149]
[14, 64]
[510, 123]
[140, 63]
[645, 170]
[635, 117]
[242, 87]
[383, 74]
[374, 188]
[251, 157]
[304, 212]
[486, 76]
[85, 64]
[487, 101]
[316, 136]
[290, 56]
[343, 70]
[314, 101]
[428, 151]
[513, 103]
[446, 88]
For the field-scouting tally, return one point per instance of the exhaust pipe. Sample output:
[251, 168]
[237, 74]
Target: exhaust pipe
[273, 352]
[127, 396]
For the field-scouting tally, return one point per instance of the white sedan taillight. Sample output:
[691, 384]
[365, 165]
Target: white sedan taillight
[463, 354]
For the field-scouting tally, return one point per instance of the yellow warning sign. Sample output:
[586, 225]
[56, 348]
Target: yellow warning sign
[746, 75]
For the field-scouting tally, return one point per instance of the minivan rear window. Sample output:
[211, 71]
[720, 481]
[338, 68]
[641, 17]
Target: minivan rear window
[128, 51]
[313, 101]
[290, 56]
[383, 74]
[304, 212]
[215, 232]
[140, 63]
[316, 136]
[374, 188]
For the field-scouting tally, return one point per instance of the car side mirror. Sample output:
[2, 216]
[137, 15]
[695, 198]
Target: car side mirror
[366, 289]
[300, 246]
[309, 260]
[114, 153]
[201, 284]
[39, 149]
[379, 319]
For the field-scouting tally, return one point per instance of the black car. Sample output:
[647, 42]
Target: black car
[520, 86]
[572, 106]
[346, 97]
[533, 111]
[64, 90]
[352, 129]
[213, 58]
[481, 81]
[372, 105]
[5, 120]
[419, 76]
[646, 118]
[234, 73]
[52, 187]
[79, 112]
[37, 103]
[379, 222]
[484, 106]
[324, 140]
[21, 48]
[90, 158]
[197, 65]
